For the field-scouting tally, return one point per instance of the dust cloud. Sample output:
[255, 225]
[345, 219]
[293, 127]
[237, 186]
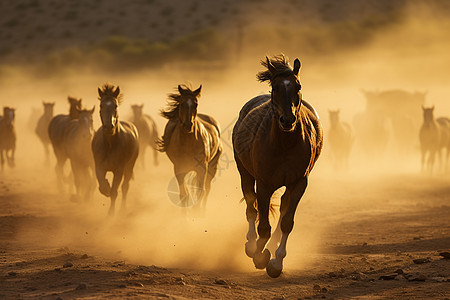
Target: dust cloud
[410, 56]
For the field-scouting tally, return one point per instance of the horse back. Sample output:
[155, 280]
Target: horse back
[56, 129]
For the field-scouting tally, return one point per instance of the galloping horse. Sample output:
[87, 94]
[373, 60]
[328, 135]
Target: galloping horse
[276, 140]
[56, 130]
[115, 147]
[192, 143]
[433, 137]
[77, 145]
[148, 133]
[42, 127]
[340, 139]
[7, 136]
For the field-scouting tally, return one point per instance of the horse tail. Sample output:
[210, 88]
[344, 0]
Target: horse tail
[272, 207]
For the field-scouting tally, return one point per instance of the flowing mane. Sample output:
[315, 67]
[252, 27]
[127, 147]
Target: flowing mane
[109, 90]
[174, 100]
[281, 67]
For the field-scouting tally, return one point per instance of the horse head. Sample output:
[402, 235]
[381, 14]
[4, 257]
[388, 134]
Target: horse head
[428, 114]
[75, 105]
[137, 111]
[187, 106]
[86, 122]
[8, 116]
[285, 94]
[109, 97]
[48, 108]
[334, 117]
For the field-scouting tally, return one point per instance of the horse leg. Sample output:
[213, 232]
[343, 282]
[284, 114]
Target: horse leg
[182, 187]
[128, 174]
[275, 265]
[103, 184]
[212, 170]
[263, 194]
[117, 179]
[155, 156]
[77, 178]
[2, 158]
[276, 236]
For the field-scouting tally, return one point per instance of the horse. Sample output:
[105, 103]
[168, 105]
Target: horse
[7, 137]
[115, 147]
[444, 143]
[148, 133]
[430, 139]
[192, 143]
[77, 145]
[277, 140]
[41, 129]
[340, 139]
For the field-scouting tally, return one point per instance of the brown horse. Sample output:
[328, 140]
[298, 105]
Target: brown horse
[77, 145]
[42, 127]
[192, 143]
[148, 133]
[56, 130]
[115, 147]
[7, 137]
[276, 141]
[340, 139]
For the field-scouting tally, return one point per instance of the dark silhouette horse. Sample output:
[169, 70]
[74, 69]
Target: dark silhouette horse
[276, 141]
[115, 147]
[192, 143]
[42, 128]
[434, 136]
[148, 133]
[7, 137]
[340, 139]
[56, 130]
[77, 145]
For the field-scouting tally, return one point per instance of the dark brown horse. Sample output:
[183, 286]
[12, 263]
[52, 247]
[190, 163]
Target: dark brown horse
[115, 147]
[148, 133]
[42, 127]
[56, 130]
[7, 137]
[77, 145]
[277, 140]
[192, 143]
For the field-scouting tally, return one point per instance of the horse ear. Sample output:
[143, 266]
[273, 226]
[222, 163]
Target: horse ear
[197, 91]
[297, 66]
[180, 89]
[432, 108]
[141, 106]
[93, 109]
[117, 92]
[270, 67]
[100, 93]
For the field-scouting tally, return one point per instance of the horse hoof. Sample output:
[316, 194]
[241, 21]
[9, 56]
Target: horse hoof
[273, 271]
[261, 259]
[250, 249]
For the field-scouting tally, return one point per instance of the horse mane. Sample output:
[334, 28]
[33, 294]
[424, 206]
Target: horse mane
[109, 90]
[281, 66]
[173, 102]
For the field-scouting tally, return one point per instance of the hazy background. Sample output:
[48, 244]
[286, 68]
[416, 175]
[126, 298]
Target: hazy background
[52, 49]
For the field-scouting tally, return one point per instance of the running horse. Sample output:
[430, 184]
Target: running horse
[41, 129]
[276, 141]
[192, 142]
[77, 145]
[56, 131]
[115, 147]
[148, 133]
[7, 137]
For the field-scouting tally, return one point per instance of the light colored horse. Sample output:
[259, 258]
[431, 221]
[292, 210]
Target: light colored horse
[340, 139]
[41, 129]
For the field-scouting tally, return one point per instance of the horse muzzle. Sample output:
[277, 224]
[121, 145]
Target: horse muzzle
[287, 124]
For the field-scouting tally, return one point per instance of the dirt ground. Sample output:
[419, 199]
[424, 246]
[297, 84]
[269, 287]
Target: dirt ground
[355, 237]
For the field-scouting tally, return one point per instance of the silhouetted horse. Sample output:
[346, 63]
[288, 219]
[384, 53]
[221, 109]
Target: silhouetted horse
[148, 133]
[340, 140]
[77, 145]
[7, 137]
[430, 139]
[42, 127]
[192, 143]
[276, 140]
[115, 147]
[56, 130]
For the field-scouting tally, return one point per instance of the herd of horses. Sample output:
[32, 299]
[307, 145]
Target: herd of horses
[277, 140]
